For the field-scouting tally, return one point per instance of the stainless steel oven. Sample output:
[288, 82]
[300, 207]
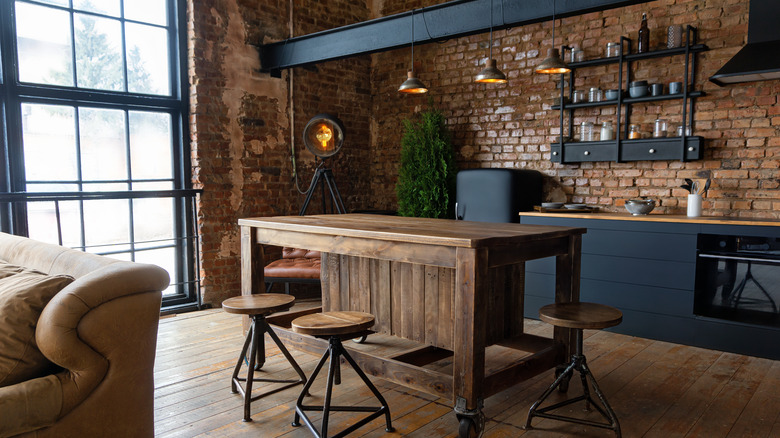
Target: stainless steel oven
[738, 279]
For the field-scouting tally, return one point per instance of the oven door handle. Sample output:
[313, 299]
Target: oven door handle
[740, 258]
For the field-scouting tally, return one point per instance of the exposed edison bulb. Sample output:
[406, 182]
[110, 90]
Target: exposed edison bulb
[323, 135]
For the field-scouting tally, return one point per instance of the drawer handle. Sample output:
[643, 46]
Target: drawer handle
[691, 148]
[586, 153]
[555, 153]
[652, 151]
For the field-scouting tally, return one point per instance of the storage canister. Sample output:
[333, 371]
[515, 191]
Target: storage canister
[613, 49]
[633, 132]
[594, 95]
[586, 131]
[606, 131]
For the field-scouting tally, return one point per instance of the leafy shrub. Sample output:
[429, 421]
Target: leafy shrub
[426, 177]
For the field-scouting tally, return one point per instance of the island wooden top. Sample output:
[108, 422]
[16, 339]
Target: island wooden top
[445, 232]
[713, 220]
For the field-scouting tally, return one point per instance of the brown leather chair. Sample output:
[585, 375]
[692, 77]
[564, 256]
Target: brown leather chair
[295, 266]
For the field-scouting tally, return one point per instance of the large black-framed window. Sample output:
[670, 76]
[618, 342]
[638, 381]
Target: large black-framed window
[94, 105]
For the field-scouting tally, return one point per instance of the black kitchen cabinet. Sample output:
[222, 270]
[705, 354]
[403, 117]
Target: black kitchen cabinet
[648, 271]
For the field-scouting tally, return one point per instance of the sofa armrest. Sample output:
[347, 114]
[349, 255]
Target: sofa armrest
[61, 336]
[30, 405]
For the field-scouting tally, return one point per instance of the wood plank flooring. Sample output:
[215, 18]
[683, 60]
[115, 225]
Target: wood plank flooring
[657, 389]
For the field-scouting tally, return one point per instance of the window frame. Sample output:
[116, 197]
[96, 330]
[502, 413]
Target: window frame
[13, 93]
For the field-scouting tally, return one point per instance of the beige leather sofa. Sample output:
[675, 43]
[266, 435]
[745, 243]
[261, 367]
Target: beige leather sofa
[101, 333]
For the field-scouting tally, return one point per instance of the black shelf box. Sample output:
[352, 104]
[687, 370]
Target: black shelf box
[645, 149]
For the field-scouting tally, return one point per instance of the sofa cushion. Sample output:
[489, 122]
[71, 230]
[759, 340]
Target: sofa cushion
[23, 296]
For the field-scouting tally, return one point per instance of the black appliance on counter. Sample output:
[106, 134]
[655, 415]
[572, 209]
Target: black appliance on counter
[496, 195]
[738, 279]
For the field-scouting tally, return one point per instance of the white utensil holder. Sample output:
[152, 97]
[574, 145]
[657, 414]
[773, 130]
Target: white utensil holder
[694, 205]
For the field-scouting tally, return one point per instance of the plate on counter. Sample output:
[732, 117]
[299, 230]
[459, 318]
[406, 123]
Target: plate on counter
[576, 206]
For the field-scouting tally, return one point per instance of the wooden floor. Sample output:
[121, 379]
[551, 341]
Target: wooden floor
[657, 389]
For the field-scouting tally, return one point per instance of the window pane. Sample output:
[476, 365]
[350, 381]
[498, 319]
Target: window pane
[164, 258]
[42, 216]
[103, 147]
[98, 53]
[148, 11]
[107, 222]
[55, 2]
[153, 218]
[147, 59]
[108, 7]
[43, 45]
[150, 145]
[49, 136]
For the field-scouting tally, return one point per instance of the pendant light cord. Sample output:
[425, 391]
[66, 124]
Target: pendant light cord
[553, 30]
[490, 48]
[411, 67]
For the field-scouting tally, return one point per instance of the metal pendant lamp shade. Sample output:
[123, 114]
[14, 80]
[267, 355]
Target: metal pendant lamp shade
[412, 85]
[491, 74]
[553, 64]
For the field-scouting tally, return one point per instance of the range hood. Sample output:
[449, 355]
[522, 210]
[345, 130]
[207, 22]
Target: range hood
[759, 60]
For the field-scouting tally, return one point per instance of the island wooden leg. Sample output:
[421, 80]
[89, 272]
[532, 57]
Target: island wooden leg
[252, 263]
[567, 289]
[469, 339]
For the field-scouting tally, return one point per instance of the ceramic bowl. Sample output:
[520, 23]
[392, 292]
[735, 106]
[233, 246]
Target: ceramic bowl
[552, 204]
[640, 206]
[611, 94]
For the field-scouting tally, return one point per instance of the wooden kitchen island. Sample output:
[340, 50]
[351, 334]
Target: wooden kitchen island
[447, 294]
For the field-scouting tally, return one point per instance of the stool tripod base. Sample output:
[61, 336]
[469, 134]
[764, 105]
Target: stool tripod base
[334, 352]
[578, 364]
[255, 343]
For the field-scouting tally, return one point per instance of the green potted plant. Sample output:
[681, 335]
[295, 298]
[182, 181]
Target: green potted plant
[426, 176]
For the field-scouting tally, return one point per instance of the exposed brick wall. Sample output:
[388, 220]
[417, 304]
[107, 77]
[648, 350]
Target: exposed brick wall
[240, 125]
[241, 137]
[512, 125]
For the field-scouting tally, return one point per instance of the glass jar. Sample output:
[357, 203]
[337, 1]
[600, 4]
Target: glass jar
[680, 130]
[578, 96]
[613, 49]
[594, 95]
[586, 131]
[674, 36]
[606, 131]
[633, 132]
[659, 129]
[577, 55]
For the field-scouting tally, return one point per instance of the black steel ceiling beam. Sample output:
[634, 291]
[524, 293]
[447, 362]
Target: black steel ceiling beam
[434, 23]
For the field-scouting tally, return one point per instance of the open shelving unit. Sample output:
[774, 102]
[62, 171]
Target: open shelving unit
[684, 148]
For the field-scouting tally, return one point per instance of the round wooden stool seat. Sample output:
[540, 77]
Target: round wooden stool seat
[580, 315]
[260, 304]
[333, 323]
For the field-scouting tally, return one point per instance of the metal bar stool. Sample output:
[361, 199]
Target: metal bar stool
[257, 307]
[337, 326]
[578, 316]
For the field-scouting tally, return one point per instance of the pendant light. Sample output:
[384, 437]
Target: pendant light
[553, 63]
[412, 85]
[491, 74]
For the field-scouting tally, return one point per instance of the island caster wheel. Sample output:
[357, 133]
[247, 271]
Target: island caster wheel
[360, 340]
[471, 426]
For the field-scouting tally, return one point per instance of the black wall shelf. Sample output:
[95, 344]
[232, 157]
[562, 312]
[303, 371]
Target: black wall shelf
[619, 149]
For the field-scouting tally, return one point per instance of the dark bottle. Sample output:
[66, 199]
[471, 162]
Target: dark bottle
[643, 43]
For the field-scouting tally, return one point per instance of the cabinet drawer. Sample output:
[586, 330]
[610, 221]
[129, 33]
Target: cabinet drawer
[660, 149]
[588, 151]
